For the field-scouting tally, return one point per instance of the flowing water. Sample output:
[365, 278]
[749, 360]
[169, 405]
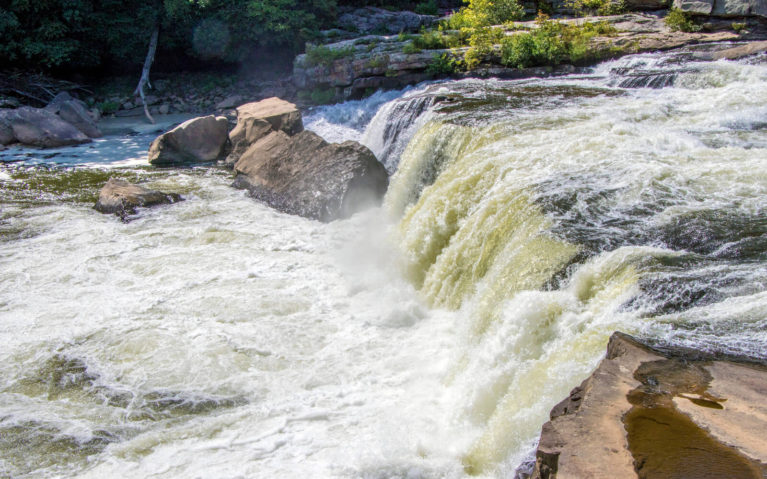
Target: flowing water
[428, 338]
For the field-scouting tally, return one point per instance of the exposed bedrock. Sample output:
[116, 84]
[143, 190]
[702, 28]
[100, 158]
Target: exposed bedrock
[651, 414]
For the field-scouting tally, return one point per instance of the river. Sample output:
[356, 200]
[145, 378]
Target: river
[429, 338]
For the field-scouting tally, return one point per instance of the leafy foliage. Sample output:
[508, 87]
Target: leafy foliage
[325, 56]
[552, 43]
[88, 34]
[445, 64]
[484, 13]
[677, 20]
[597, 7]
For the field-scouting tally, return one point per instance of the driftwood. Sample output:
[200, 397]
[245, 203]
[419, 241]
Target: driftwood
[37, 88]
[144, 81]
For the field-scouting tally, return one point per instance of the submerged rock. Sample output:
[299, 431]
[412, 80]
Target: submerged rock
[202, 139]
[75, 112]
[122, 198]
[307, 176]
[647, 413]
[258, 119]
[38, 127]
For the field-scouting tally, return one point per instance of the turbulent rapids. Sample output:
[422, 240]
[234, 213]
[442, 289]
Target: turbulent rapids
[525, 222]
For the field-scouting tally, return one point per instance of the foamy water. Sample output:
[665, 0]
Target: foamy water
[428, 338]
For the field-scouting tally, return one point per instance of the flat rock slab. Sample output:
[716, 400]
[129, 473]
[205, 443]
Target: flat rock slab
[650, 414]
[122, 198]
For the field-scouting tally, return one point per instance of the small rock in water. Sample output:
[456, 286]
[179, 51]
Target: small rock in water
[121, 198]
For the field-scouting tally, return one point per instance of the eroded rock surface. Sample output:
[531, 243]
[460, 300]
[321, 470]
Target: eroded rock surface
[202, 139]
[648, 414]
[122, 198]
[307, 176]
[378, 20]
[256, 120]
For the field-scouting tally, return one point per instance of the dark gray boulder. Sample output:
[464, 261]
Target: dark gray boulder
[74, 112]
[122, 198]
[39, 127]
[307, 176]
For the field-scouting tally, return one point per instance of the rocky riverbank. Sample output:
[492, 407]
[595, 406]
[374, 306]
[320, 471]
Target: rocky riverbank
[650, 413]
[371, 62]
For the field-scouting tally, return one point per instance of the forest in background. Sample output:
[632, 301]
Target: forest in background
[103, 37]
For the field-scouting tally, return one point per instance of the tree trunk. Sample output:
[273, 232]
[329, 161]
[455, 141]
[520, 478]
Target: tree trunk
[144, 81]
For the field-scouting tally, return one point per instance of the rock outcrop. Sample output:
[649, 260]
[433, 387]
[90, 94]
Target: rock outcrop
[122, 198]
[74, 112]
[38, 127]
[307, 176]
[378, 20]
[647, 413]
[724, 8]
[258, 119]
[389, 61]
[203, 139]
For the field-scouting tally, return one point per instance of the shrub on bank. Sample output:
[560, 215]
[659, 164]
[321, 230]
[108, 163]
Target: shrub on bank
[679, 21]
[552, 43]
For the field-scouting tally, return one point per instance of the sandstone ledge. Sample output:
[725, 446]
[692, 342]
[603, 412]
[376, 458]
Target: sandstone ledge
[380, 62]
[646, 413]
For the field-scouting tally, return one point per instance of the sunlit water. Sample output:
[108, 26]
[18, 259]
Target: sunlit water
[526, 221]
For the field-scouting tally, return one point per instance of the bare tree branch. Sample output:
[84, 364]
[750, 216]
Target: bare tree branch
[144, 81]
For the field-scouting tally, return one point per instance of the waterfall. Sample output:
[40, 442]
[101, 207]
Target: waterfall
[525, 222]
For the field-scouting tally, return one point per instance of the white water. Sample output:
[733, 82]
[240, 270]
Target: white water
[427, 338]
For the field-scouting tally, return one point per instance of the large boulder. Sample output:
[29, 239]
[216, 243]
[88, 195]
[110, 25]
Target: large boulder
[258, 119]
[202, 139]
[39, 127]
[307, 176]
[75, 112]
[651, 413]
[122, 198]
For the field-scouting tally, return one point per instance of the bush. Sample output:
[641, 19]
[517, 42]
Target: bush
[678, 20]
[435, 40]
[410, 49]
[597, 7]
[482, 42]
[445, 64]
[323, 96]
[484, 13]
[323, 55]
[428, 7]
[551, 43]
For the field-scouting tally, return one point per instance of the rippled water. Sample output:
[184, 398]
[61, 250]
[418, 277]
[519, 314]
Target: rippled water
[525, 222]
